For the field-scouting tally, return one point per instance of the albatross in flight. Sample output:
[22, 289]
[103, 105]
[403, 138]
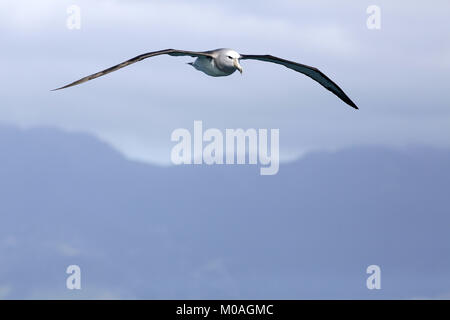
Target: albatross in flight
[223, 62]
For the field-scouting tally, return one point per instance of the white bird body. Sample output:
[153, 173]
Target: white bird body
[208, 66]
[224, 62]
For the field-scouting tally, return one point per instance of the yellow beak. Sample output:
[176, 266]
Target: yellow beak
[237, 65]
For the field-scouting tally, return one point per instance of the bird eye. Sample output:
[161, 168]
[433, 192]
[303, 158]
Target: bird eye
[230, 57]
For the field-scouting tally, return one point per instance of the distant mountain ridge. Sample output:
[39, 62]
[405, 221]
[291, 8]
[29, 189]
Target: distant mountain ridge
[141, 231]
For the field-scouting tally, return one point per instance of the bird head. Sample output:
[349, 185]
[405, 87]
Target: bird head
[230, 59]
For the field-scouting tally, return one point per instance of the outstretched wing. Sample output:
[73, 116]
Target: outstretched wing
[172, 52]
[311, 72]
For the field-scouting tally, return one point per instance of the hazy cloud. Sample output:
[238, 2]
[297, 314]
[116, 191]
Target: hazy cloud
[397, 75]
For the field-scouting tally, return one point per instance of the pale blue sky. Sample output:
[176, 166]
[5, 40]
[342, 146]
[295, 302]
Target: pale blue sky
[397, 75]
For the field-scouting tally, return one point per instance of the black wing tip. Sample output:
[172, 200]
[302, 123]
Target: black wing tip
[64, 87]
[348, 101]
[354, 106]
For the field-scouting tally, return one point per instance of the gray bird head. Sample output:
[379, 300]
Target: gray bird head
[228, 59]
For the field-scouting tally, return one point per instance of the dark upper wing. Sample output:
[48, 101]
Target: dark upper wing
[172, 52]
[311, 72]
